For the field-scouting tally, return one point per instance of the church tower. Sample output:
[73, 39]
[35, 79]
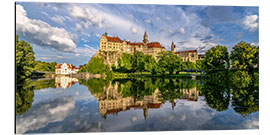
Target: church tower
[145, 38]
[173, 47]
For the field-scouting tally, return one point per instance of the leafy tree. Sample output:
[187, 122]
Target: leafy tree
[216, 59]
[96, 65]
[138, 63]
[124, 63]
[244, 56]
[25, 59]
[188, 66]
[199, 65]
[150, 63]
[44, 66]
[167, 61]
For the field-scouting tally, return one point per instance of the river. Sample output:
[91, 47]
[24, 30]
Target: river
[64, 104]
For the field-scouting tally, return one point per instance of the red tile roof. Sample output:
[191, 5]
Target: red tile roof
[114, 39]
[185, 51]
[154, 45]
[58, 66]
[134, 44]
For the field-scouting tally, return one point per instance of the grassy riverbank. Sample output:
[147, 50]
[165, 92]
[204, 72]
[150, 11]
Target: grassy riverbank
[147, 74]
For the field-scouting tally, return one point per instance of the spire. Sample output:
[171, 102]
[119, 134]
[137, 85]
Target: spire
[173, 47]
[145, 38]
[145, 113]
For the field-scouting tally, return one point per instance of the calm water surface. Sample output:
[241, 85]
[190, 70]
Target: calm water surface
[65, 104]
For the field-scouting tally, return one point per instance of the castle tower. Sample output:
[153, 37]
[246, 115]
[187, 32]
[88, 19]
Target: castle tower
[173, 47]
[145, 38]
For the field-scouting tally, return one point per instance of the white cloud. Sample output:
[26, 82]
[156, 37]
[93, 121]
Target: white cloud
[85, 34]
[86, 51]
[87, 16]
[85, 40]
[97, 35]
[55, 8]
[133, 30]
[168, 18]
[148, 21]
[44, 114]
[43, 34]
[44, 13]
[182, 30]
[58, 19]
[251, 22]
[79, 27]
[45, 58]
[255, 44]
[68, 18]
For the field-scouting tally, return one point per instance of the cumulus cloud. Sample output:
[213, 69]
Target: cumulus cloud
[43, 34]
[251, 23]
[88, 17]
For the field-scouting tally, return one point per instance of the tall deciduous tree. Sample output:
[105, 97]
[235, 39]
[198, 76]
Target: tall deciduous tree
[244, 56]
[169, 62]
[216, 59]
[25, 59]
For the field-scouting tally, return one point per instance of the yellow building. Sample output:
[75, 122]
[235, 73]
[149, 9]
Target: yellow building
[189, 55]
[115, 44]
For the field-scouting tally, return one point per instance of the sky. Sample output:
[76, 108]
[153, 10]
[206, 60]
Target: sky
[70, 32]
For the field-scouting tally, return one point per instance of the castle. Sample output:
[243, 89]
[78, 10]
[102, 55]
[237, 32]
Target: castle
[110, 44]
[113, 47]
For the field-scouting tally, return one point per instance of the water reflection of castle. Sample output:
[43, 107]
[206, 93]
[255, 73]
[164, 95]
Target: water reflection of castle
[64, 81]
[112, 102]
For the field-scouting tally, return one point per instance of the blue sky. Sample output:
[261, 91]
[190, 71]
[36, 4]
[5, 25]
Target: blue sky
[69, 32]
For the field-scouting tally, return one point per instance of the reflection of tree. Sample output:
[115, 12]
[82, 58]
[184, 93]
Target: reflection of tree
[95, 85]
[171, 89]
[245, 91]
[25, 93]
[24, 97]
[216, 91]
[137, 88]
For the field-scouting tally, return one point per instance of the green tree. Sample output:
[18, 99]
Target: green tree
[96, 65]
[44, 66]
[244, 56]
[138, 63]
[188, 66]
[199, 65]
[216, 59]
[25, 59]
[124, 63]
[150, 63]
[167, 61]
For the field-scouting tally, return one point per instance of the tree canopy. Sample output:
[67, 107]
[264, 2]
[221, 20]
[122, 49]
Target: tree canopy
[244, 56]
[216, 59]
[25, 59]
